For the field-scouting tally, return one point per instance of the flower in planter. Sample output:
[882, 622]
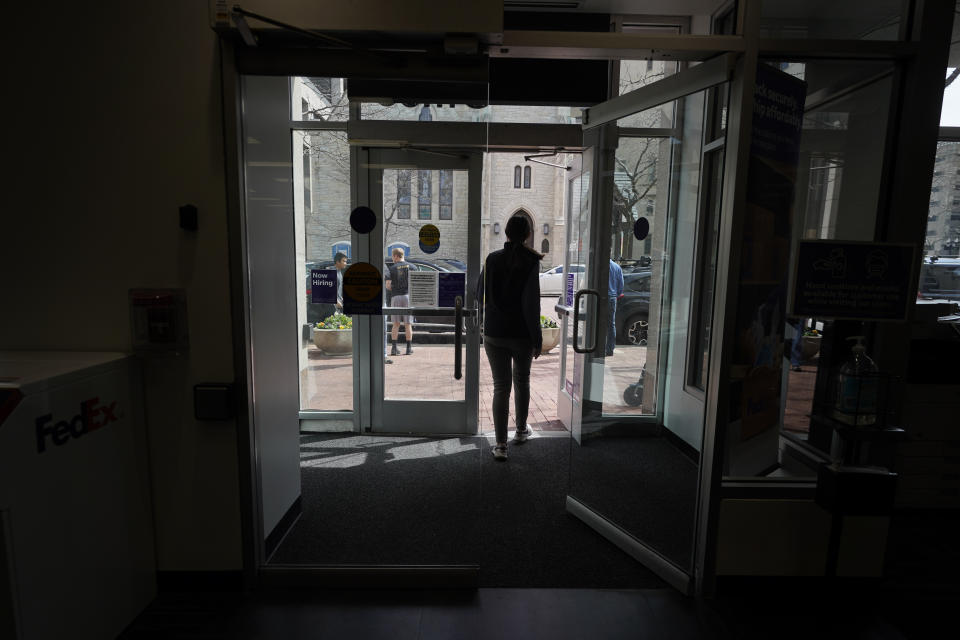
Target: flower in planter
[812, 333]
[336, 322]
[547, 323]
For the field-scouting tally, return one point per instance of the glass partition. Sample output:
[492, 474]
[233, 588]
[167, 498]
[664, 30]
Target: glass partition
[370, 499]
[837, 196]
[641, 196]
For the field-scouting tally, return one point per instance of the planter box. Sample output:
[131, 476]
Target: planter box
[551, 338]
[809, 347]
[334, 342]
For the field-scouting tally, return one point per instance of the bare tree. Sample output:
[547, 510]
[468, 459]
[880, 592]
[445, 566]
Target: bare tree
[636, 158]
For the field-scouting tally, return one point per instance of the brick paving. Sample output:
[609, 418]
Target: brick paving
[327, 383]
[800, 385]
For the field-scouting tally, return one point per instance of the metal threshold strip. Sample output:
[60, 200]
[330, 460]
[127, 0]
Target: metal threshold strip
[646, 556]
[465, 576]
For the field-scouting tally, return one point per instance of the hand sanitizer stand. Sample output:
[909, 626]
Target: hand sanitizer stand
[854, 492]
[76, 532]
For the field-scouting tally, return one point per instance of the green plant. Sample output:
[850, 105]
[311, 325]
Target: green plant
[547, 323]
[812, 333]
[336, 322]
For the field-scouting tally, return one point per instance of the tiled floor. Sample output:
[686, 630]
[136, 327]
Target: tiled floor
[397, 615]
[527, 614]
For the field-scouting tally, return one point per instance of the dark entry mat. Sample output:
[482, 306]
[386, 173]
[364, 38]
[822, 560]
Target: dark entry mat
[399, 500]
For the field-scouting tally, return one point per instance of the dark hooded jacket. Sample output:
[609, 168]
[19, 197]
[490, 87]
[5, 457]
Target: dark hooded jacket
[509, 290]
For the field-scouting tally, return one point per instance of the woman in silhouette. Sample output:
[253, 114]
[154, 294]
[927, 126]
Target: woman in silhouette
[509, 291]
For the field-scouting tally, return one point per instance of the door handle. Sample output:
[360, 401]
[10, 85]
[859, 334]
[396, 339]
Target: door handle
[458, 339]
[576, 321]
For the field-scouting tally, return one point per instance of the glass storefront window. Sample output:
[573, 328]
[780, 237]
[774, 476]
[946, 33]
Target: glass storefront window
[850, 20]
[464, 113]
[842, 147]
[943, 218]
[322, 99]
[639, 73]
[940, 271]
[321, 196]
[414, 112]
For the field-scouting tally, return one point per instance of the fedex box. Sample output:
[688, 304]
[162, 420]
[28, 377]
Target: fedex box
[76, 533]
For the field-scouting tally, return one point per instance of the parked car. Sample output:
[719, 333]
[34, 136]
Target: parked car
[940, 279]
[633, 309]
[552, 283]
[430, 265]
[630, 265]
[456, 265]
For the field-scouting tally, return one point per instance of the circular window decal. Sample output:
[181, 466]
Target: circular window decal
[363, 219]
[641, 228]
[429, 238]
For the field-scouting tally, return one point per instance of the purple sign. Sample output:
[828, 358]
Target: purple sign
[323, 286]
[450, 286]
[569, 300]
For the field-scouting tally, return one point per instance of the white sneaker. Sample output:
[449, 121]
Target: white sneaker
[523, 436]
[499, 452]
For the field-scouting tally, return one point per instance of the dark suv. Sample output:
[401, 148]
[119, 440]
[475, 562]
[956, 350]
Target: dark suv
[633, 309]
[940, 279]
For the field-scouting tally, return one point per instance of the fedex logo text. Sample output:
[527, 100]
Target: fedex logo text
[92, 416]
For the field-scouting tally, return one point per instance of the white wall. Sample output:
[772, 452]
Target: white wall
[115, 123]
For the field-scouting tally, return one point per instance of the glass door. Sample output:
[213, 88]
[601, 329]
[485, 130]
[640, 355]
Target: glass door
[633, 387]
[424, 348]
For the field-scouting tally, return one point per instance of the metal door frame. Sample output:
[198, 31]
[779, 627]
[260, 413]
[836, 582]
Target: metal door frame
[447, 417]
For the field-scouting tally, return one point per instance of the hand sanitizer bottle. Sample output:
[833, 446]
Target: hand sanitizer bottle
[857, 386]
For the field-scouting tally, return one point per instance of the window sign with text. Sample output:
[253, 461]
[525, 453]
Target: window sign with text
[323, 286]
[853, 280]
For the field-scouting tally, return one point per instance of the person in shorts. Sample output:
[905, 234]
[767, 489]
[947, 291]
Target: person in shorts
[398, 283]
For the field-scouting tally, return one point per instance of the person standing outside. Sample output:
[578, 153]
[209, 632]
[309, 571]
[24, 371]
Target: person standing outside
[398, 283]
[509, 292]
[340, 262]
[614, 291]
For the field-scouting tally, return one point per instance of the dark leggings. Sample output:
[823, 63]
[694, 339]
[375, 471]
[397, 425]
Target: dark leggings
[505, 354]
